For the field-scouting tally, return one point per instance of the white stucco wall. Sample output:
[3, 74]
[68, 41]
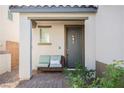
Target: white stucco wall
[56, 38]
[122, 29]
[110, 33]
[9, 30]
[90, 42]
[25, 49]
[1, 29]
[5, 63]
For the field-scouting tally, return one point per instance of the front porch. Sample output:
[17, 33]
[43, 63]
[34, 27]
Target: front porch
[54, 19]
[40, 80]
[45, 80]
[31, 45]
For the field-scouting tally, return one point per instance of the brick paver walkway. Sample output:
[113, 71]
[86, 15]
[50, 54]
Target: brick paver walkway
[9, 79]
[40, 80]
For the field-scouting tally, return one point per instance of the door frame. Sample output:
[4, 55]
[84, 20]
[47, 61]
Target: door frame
[65, 41]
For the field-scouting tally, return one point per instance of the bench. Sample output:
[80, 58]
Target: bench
[51, 63]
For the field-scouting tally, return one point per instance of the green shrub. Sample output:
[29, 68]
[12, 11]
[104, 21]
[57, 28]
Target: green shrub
[80, 76]
[112, 78]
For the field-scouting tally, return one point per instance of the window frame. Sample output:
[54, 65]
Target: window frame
[43, 43]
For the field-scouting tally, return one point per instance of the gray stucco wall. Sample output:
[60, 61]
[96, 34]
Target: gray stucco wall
[110, 33]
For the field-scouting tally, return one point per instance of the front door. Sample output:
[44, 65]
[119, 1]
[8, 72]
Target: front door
[74, 46]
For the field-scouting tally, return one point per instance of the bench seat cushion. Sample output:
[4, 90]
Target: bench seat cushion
[44, 61]
[55, 59]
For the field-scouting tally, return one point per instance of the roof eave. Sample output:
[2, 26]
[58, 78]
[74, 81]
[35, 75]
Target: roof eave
[53, 10]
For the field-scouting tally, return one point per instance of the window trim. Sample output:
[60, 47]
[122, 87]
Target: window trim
[44, 43]
[44, 26]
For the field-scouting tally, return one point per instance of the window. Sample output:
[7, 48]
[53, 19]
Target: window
[10, 16]
[45, 35]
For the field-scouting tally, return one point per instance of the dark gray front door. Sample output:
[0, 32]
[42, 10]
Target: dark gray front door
[74, 46]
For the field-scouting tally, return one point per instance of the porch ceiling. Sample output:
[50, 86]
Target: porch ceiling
[37, 20]
[58, 18]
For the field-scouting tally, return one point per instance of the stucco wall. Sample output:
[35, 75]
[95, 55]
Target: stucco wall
[5, 63]
[122, 30]
[25, 48]
[110, 33]
[90, 42]
[56, 38]
[1, 29]
[9, 30]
